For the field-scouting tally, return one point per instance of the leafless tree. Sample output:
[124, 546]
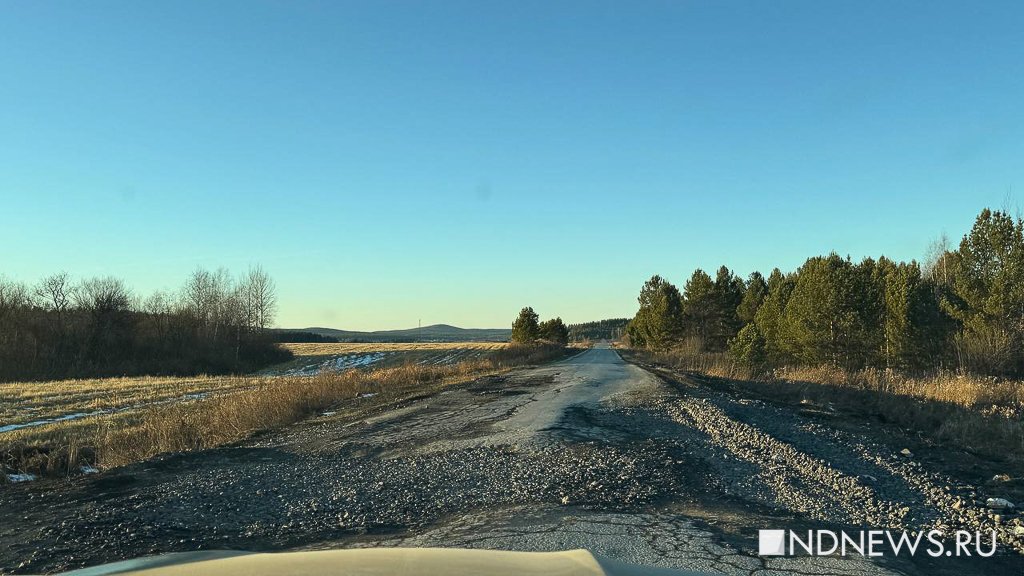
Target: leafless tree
[103, 295]
[55, 293]
[936, 261]
[260, 295]
[14, 300]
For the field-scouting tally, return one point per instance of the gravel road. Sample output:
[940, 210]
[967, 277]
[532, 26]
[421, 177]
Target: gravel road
[589, 452]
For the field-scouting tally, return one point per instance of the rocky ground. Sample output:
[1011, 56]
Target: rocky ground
[590, 452]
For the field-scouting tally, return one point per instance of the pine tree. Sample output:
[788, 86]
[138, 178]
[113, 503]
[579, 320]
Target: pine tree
[988, 290]
[525, 329]
[699, 306]
[823, 321]
[658, 322]
[728, 294]
[554, 330]
[753, 297]
[769, 317]
[749, 346]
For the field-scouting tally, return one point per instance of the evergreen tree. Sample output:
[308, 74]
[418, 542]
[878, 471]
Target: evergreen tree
[728, 294]
[914, 326]
[554, 330]
[824, 321]
[525, 329]
[870, 277]
[988, 290]
[699, 306]
[749, 346]
[769, 316]
[658, 322]
[753, 297]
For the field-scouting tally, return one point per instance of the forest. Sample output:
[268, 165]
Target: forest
[59, 329]
[962, 309]
[610, 329]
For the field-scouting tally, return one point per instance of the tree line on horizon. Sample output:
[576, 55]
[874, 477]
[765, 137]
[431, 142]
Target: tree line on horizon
[57, 328]
[963, 309]
[527, 329]
[608, 329]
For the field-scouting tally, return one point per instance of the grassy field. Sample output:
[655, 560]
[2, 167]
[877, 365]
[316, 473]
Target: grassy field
[57, 427]
[332, 348]
[24, 404]
[314, 358]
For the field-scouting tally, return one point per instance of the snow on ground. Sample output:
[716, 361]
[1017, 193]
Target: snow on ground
[337, 364]
[79, 415]
[313, 365]
[75, 416]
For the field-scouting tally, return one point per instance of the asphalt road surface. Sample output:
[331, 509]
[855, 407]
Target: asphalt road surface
[591, 452]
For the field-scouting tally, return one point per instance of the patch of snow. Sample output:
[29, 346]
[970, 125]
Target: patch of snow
[328, 413]
[79, 415]
[21, 477]
[337, 364]
[64, 418]
[89, 470]
[368, 395]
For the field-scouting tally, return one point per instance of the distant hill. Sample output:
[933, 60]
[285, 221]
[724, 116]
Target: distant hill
[433, 333]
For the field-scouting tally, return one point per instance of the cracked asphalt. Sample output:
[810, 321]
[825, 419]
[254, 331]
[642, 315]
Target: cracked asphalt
[591, 452]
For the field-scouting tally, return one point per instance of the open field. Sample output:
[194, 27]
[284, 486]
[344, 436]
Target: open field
[56, 427]
[313, 358]
[322, 349]
[31, 404]
[34, 404]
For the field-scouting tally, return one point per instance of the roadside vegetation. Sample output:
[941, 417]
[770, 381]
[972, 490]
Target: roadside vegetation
[59, 329]
[937, 347]
[528, 329]
[229, 410]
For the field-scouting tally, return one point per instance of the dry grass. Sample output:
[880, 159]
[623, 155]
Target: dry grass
[688, 358]
[260, 404]
[314, 357]
[337, 348]
[985, 415]
[22, 402]
[963, 390]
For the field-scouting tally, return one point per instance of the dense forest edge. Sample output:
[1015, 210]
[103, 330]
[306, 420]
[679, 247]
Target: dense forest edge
[960, 310]
[59, 329]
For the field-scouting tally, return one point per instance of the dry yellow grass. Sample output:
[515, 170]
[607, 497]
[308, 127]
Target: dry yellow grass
[960, 389]
[336, 348]
[238, 408]
[22, 402]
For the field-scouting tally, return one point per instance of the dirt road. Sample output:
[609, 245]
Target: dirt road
[589, 452]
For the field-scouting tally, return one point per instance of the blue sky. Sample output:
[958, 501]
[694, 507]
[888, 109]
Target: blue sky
[390, 162]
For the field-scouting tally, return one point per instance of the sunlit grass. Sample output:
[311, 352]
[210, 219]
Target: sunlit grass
[234, 409]
[335, 348]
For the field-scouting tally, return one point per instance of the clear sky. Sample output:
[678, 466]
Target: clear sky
[390, 162]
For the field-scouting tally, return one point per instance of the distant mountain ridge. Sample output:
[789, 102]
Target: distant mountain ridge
[432, 333]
